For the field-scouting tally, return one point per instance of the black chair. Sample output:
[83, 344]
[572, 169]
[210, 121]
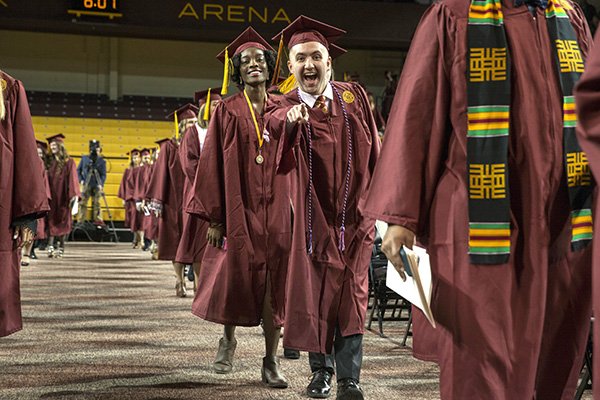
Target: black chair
[384, 299]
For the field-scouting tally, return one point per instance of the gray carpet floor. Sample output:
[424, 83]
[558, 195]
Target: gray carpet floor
[104, 323]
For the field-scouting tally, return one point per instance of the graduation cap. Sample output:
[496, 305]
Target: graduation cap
[206, 96]
[303, 30]
[247, 39]
[42, 145]
[188, 111]
[56, 138]
[133, 151]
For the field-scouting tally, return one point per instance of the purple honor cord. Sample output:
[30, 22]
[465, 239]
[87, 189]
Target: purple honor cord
[342, 242]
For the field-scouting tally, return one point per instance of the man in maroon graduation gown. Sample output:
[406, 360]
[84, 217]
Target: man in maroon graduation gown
[515, 330]
[22, 195]
[329, 139]
[587, 96]
[238, 192]
[166, 193]
[193, 235]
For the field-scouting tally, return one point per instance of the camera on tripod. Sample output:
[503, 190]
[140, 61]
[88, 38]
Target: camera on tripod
[94, 147]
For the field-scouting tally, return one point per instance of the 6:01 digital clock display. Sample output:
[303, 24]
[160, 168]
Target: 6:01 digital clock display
[96, 8]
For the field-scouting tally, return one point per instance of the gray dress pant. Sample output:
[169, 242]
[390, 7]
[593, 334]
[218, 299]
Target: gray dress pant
[346, 357]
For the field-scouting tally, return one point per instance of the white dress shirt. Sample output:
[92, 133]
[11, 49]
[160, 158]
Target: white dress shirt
[310, 99]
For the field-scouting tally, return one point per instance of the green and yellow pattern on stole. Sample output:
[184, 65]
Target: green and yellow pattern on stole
[488, 116]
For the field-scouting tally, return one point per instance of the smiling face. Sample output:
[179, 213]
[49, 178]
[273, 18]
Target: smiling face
[54, 147]
[253, 67]
[311, 65]
[40, 152]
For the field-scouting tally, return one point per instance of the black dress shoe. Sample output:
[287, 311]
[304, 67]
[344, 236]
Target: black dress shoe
[349, 389]
[320, 384]
[291, 354]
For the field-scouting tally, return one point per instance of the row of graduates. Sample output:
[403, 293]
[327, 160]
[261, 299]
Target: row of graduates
[157, 178]
[230, 199]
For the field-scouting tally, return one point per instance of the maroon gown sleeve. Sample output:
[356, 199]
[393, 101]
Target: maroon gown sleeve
[587, 97]
[189, 152]
[275, 122]
[29, 191]
[418, 131]
[123, 186]
[159, 183]
[208, 198]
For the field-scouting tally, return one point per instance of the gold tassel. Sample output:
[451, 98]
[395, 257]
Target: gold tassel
[176, 126]
[225, 74]
[288, 85]
[207, 107]
[278, 62]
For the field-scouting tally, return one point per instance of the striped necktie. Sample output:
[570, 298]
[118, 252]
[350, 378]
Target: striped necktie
[321, 103]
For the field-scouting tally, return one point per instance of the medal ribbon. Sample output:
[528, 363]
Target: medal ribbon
[259, 134]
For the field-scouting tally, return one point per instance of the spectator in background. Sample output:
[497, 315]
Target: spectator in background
[376, 114]
[391, 81]
[92, 176]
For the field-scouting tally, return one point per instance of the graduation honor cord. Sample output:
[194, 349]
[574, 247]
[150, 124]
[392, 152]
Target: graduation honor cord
[342, 243]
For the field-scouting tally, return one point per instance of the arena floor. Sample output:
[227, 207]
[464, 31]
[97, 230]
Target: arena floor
[104, 323]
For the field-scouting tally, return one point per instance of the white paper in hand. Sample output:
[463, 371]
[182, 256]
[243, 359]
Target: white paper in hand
[75, 207]
[416, 288]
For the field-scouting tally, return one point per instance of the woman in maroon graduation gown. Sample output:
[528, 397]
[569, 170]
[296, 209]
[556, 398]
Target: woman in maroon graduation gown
[193, 235]
[22, 195]
[165, 190]
[237, 190]
[64, 189]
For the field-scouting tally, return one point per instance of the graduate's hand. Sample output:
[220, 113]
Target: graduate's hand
[298, 114]
[215, 235]
[23, 235]
[396, 237]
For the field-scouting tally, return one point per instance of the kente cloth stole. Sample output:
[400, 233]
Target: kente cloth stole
[488, 113]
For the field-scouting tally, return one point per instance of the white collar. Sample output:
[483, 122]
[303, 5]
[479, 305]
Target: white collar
[310, 99]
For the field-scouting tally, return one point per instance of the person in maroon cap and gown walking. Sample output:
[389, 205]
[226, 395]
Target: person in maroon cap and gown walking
[193, 235]
[165, 192]
[480, 168]
[329, 144]
[244, 268]
[22, 195]
[64, 189]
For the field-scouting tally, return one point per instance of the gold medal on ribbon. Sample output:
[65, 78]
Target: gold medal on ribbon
[348, 97]
[260, 159]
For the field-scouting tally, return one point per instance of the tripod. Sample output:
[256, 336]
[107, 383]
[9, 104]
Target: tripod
[86, 226]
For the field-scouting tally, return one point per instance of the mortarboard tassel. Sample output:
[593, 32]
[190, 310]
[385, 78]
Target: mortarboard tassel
[225, 74]
[176, 126]
[207, 107]
[288, 85]
[278, 62]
